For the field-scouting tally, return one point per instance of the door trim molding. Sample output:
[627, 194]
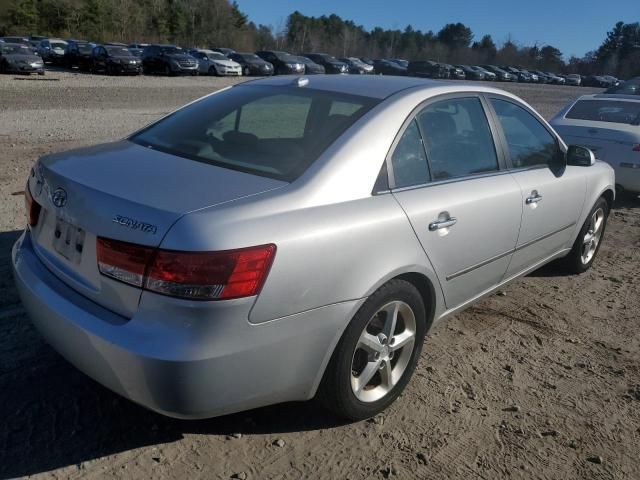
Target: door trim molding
[543, 237]
[479, 265]
[470, 269]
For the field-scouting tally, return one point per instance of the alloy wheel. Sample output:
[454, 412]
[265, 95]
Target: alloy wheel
[593, 235]
[383, 351]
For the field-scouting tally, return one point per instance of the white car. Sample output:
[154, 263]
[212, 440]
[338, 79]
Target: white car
[609, 125]
[215, 63]
[52, 50]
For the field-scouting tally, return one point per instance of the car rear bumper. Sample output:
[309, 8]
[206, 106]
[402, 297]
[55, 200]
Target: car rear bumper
[182, 359]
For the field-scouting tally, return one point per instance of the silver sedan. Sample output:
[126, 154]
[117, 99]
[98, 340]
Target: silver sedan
[294, 237]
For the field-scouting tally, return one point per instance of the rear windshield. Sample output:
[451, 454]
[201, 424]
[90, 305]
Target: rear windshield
[606, 111]
[275, 132]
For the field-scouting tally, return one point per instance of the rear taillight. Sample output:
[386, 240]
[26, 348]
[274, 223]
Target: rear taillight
[123, 261]
[636, 147]
[32, 207]
[193, 275]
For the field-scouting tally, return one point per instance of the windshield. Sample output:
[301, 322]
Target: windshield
[85, 47]
[118, 51]
[276, 132]
[216, 56]
[170, 50]
[249, 56]
[11, 49]
[15, 40]
[61, 45]
[285, 57]
[606, 111]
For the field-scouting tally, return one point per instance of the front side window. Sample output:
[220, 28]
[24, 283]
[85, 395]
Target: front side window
[409, 160]
[530, 144]
[457, 137]
[276, 132]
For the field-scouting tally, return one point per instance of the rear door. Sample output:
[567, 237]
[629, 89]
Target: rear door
[464, 207]
[552, 193]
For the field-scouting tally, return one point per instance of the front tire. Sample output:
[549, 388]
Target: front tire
[377, 354]
[587, 245]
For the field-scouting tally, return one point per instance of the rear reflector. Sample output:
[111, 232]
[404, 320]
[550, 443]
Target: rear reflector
[193, 275]
[32, 207]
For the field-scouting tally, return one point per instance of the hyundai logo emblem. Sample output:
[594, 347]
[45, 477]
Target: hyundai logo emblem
[59, 197]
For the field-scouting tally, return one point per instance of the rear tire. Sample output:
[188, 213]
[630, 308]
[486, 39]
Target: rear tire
[376, 356]
[587, 245]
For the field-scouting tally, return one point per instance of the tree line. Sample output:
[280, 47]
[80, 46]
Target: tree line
[222, 23]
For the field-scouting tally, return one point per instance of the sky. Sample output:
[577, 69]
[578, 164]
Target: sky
[573, 26]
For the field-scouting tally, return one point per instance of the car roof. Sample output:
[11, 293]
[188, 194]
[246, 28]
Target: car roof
[375, 86]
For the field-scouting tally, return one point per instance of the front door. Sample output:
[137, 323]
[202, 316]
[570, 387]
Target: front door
[465, 208]
[552, 193]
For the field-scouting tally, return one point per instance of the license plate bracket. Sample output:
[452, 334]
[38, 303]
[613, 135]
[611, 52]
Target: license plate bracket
[68, 240]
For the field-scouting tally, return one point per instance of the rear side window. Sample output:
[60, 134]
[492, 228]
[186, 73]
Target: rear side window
[457, 138]
[530, 144]
[606, 111]
[275, 132]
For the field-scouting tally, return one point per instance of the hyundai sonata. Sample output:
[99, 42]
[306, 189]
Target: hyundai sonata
[293, 237]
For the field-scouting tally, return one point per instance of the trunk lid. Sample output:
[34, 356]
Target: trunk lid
[611, 142]
[126, 192]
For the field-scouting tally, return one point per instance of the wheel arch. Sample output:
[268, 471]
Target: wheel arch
[609, 195]
[419, 280]
[427, 291]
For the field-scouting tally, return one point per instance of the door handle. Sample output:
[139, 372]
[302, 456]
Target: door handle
[535, 197]
[438, 224]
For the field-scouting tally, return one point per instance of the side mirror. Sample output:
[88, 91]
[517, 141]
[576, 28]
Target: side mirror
[580, 156]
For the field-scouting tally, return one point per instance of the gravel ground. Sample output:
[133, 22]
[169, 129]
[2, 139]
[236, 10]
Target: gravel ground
[541, 381]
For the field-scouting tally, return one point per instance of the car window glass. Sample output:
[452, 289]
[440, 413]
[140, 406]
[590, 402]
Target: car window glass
[271, 131]
[409, 160]
[257, 117]
[530, 144]
[343, 108]
[457, 138]
[606, 111]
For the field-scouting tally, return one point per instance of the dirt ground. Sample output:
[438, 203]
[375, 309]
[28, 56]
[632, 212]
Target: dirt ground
[540, 381]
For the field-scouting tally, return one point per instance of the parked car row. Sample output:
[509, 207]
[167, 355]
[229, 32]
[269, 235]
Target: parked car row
[136, 58]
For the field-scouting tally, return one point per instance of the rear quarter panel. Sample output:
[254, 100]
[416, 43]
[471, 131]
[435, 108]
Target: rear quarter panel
[325, 254]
